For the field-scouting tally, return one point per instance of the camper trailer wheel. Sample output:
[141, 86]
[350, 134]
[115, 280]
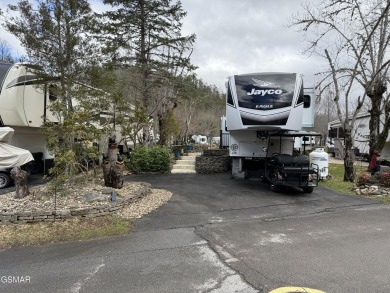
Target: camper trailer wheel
[308, 189]
[5, 180]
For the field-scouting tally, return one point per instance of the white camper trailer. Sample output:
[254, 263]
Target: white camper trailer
[23, 107]
[24, 101]
[200, 139]
[361, 137]
[304, 142]
[265, 112]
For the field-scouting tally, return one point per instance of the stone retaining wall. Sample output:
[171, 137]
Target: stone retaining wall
[62, 214]
[213, 161]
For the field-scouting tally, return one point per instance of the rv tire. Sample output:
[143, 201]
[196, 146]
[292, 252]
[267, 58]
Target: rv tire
[273, 186]
[5, 180]
[308, 189]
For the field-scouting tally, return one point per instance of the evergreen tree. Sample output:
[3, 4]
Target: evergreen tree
[146, 35]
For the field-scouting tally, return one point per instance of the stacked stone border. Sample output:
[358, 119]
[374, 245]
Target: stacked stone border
[373, 190]
[84, 213]
[213, 161]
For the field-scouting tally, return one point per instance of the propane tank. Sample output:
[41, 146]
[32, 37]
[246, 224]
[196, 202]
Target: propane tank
[318, 157]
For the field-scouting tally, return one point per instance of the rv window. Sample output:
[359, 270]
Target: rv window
[337, 132]
[265, 92]
[300, 98]
[53, 92]
[230, 97]
[332, 132]
[4, 67]
[306, 101]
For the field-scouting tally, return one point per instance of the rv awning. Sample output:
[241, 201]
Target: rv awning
[11, 156]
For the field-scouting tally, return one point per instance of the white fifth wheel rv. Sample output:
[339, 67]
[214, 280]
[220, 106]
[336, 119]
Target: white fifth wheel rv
[23, 106]
[24, 102]
[265, 112]
[361, 137]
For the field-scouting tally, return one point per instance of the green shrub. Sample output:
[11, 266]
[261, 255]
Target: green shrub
[385, 179]
[151, 159]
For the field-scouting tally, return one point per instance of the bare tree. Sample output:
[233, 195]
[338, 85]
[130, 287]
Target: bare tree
[325, 113]
[353, 38]
[5, 52]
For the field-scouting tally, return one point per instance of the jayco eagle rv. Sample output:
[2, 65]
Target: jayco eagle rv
[265, 112]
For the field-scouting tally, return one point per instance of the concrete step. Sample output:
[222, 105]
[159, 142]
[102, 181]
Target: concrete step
[186, 157]
[185, 162]
[191, 154]
[189, 167]
[183, 171]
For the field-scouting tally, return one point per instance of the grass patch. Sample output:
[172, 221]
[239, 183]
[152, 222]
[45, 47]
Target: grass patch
[337, 174]
[62, 231]
[383, 199]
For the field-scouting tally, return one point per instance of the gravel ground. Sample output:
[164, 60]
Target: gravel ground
[145, 205]
[73, 196]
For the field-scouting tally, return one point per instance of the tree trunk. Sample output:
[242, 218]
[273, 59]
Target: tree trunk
[375, 93]
[112, 174]
[112, 152]
[20, 178]
[146, 134]
[382, 137]
[349, 174]
[163, 132]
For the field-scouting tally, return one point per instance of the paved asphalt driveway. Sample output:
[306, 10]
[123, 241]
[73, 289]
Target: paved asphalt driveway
[217, 234]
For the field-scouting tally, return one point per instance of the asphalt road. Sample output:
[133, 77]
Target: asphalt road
[217, 234]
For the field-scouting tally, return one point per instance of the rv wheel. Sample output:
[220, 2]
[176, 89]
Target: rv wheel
[5, 180]
[273, 186]
[308, 189]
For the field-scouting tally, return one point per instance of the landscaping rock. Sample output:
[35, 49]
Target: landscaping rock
[107, 190]
[91, 197]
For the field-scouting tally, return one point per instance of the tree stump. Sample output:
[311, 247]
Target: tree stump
[20, 178]
[113, 176]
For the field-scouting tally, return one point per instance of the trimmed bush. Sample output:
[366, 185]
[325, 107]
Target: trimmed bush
[385, 179]
[151, 159]
[364, 178]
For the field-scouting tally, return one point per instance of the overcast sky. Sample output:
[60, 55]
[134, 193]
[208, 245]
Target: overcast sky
[246, 36]
[239, 36]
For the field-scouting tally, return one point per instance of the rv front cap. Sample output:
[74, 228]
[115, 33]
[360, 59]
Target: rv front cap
[264, 92]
